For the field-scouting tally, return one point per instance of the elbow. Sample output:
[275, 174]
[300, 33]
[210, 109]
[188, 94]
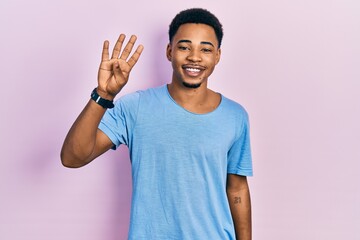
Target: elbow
[66, 161]
[236, 184]
[70, 161]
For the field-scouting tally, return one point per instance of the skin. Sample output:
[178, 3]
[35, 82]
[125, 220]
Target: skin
[84, 141]
[194, 46]
[193, 53]
[238, 194]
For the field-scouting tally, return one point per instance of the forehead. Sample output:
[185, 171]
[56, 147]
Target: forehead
[196, 32]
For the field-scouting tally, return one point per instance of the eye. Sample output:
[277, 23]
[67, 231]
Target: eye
[183, 48]
[206, 50]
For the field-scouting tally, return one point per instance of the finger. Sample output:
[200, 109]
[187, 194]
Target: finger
[118, 46]
[129, 46]
[116, 70]
[105, 51]
[135, 57]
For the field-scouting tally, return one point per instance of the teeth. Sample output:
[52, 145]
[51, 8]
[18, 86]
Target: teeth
[192, 70]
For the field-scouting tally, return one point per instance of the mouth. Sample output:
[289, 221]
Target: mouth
[193, 70]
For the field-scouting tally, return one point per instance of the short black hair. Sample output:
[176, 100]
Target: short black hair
[196, 15]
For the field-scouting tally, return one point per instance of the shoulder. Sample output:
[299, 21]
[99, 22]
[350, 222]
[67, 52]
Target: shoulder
[236, 114]
[135, 97]
[233, 108]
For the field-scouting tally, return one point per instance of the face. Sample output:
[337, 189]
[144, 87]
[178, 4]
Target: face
[194, 54]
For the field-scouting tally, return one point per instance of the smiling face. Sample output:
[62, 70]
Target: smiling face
[193, 53]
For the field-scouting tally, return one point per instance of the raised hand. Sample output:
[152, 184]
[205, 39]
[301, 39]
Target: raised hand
[114, 73]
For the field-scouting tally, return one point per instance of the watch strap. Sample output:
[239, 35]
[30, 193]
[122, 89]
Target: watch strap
[101, 101]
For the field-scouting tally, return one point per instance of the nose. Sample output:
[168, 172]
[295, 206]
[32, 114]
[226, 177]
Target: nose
[194, 56]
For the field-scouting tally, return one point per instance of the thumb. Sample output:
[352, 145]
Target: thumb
[116, 70]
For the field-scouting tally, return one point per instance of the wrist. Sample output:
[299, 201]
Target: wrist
[104, 102]
[103, 94]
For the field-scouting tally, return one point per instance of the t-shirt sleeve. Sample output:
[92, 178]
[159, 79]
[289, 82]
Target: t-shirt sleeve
[239, 155]
[118, 122]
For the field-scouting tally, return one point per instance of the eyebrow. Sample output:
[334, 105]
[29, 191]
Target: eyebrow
[188, 41]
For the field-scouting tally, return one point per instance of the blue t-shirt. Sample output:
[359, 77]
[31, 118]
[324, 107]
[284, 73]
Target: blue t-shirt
[179, 161]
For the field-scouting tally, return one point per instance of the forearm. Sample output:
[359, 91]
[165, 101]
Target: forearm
[84, 142]
[240, 206]
[80, 141]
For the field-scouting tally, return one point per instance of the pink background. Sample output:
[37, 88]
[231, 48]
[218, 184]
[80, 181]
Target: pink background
[295, 66]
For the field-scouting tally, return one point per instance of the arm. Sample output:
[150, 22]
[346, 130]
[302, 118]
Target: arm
[239, 200]
[84, 141]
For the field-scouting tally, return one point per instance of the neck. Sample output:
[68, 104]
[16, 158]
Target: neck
[199, 100]
[189, 96]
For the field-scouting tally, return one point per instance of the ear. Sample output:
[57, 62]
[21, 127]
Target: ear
[218, 55]
[168, 52]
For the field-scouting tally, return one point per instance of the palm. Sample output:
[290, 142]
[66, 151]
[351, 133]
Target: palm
[107, 79]
[114, 73]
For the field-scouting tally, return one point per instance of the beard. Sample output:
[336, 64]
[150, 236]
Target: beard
[191, 85]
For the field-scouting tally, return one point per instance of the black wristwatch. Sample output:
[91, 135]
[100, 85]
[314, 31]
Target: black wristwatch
[101, 101]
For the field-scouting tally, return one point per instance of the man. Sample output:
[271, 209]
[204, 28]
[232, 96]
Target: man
[189, 146]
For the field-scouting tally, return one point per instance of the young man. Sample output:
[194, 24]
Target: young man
[189, 146]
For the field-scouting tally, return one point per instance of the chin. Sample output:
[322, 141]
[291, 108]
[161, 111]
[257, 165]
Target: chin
[191, 85]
